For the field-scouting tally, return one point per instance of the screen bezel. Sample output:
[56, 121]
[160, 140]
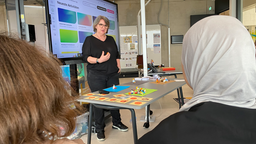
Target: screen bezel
[73, 60]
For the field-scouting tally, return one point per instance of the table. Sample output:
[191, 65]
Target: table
[162, 90]
[169, 73]
[166, 73]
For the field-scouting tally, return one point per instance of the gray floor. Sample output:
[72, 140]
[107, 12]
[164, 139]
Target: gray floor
[162, 108]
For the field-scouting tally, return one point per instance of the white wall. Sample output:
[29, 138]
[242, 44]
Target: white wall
[249, 17]
[41, 37]
[3, 20]
[35, 15]
[13, 22]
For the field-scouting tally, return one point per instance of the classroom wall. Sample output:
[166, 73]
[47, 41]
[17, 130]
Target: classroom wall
[35, 15]
[3, 23]
[249, 17]
[178, 16]
[247, 3]
[249, 20]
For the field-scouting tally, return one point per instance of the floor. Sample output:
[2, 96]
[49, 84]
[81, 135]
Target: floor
[161, 108]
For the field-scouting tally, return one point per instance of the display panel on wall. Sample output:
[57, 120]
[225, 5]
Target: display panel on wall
[71, 21]
[221, 6]
[196, 18]
[32, 33]
[176, 39]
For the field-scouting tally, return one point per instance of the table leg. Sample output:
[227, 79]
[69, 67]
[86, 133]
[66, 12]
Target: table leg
[175, 75]
[134, 126]
[181, 96]
[178, 93]
[148, 114]
[146, 124]
[139, 73]
[90, 125]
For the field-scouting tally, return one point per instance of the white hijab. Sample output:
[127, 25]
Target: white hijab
[218, 56]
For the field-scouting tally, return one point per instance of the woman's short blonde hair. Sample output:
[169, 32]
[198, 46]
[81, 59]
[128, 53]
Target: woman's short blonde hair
[34, 102]
[97, 20]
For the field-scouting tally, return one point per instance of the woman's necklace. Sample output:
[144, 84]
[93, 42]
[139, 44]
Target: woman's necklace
[101, 38]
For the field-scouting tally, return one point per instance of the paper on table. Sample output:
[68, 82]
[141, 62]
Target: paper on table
[144, 78]
[137, 79]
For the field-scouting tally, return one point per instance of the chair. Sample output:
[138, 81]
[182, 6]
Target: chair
[139, 62]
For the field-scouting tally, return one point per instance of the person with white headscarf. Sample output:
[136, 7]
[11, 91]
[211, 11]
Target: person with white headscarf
[219, 65]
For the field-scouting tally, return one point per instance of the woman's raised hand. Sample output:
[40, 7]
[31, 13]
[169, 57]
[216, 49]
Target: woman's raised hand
[103, 57]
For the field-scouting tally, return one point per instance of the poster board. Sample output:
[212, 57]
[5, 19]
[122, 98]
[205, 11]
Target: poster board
[154, 43]
[129, 45]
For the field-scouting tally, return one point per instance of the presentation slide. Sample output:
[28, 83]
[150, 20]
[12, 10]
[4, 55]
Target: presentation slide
[72, 21]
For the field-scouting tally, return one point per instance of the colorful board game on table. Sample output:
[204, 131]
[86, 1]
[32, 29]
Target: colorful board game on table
[140, 91]
[133, 99]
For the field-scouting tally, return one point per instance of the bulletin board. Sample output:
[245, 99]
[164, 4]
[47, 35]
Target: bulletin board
[153, 36]
[129, 45]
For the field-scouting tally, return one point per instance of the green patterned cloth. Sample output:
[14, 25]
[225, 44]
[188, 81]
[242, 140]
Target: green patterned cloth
[148, 91]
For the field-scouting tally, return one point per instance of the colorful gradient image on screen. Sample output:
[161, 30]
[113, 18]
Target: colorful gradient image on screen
[67, 16]
[68, 36]
[112, 25]
[112, 36]
[84, 19]
[93, 18]
[83, 35]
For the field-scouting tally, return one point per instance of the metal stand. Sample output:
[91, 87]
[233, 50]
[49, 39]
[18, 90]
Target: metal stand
[147, 118]
[144, 118]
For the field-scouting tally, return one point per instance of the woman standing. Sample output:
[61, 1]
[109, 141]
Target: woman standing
[101, 54]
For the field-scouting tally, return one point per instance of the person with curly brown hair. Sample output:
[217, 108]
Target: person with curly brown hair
[34, 99]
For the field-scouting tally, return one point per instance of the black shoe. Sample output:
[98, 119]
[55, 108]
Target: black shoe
[120, 127]
[101, 136]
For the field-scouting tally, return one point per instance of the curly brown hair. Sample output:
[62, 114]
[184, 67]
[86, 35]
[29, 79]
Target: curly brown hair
[34, 101]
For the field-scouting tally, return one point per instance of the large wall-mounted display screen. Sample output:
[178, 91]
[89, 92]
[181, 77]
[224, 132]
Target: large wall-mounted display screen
[71, 21]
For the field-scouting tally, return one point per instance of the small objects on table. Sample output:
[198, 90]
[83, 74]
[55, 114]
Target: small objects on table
[137, 91]
[162, 80]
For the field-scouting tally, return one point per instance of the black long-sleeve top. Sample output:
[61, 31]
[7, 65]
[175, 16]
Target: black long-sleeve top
[93, 47]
